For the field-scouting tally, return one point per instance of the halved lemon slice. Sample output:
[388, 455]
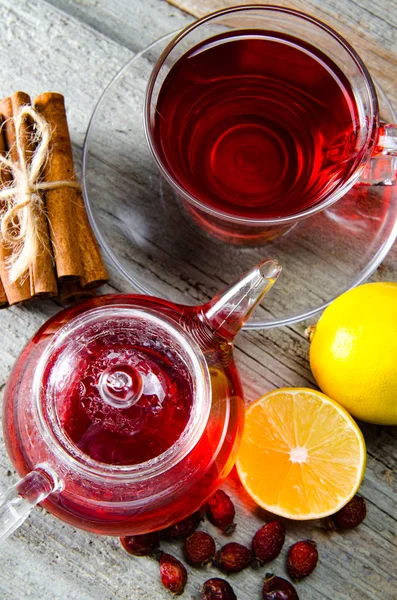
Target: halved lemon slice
[302, 455]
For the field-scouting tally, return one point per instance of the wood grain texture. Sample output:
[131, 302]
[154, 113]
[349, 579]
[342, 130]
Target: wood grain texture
[75, 47]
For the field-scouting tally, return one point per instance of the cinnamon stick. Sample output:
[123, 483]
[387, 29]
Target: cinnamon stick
[63, 226]
[60, 202]
[94, 272]
[20, 290]
[3, 297]
[73, 291]
[42, 275]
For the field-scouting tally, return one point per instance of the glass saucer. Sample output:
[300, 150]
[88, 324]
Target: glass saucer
[140, 227]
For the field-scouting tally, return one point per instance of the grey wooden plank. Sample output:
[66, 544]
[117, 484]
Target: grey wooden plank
[134, 25]
[45, 50]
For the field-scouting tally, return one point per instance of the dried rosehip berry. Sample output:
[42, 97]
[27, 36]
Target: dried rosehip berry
[141, 545]
[200, 549]
[351, 515]
[217, 589]
[184, 528]
[221, 511]
[173, 574]
[268, 541]
[233, 557]
[277, 588]
[302, 559]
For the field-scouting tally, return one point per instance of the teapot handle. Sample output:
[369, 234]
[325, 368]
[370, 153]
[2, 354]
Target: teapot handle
[18, 501]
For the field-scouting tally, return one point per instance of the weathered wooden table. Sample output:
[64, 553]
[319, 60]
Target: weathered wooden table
[75, 47]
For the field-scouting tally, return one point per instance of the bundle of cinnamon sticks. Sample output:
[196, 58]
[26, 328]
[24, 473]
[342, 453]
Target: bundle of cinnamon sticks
[67, 262]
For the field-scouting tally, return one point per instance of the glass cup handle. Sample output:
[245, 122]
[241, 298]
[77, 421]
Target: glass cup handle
[382, 167]
[19, 499]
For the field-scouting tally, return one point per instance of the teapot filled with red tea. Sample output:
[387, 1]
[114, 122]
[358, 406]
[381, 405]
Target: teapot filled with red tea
[123, 414]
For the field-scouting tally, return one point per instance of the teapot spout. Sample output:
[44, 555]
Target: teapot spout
[230, 309]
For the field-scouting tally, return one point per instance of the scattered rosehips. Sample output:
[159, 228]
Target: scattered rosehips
[217, 589]
[268, 541]
[181, 530]
[351, 515]
[221, 511]
[302, 559]
[141, 545]
[173, 574]
[277, 588]
[233, 557]
[200, 549]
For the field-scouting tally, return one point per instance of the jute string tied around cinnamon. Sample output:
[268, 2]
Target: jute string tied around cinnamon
[22, 200]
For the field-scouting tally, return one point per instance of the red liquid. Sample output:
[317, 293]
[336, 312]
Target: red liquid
[156, 502]
[257, 124]
[132, 435]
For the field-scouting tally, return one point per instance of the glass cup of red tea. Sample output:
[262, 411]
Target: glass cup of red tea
[260, 116]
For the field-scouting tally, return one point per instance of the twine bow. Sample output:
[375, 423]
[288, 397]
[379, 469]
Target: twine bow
[21, 201]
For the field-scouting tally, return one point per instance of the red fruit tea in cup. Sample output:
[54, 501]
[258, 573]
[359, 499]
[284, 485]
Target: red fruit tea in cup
[257, 124]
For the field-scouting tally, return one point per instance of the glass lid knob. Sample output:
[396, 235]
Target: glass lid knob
[121, 386]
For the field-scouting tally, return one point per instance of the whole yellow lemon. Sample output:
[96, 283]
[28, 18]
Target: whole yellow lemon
[353, 352]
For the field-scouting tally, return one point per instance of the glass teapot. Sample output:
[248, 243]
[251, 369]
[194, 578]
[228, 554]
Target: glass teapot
[123, 414]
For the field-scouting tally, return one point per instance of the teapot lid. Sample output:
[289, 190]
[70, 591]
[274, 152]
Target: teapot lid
[121, 386]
